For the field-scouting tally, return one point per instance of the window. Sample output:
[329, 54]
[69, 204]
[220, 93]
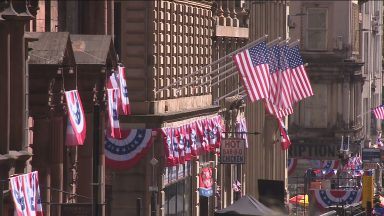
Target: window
[316, 28]
[366, 49]
[315, 108]
[178, 198]
[366, 6]
[366, 116]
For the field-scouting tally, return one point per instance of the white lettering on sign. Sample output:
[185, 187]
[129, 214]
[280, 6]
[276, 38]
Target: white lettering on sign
[232, 151]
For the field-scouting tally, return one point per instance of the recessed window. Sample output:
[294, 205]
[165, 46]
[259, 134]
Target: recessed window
[317, 28]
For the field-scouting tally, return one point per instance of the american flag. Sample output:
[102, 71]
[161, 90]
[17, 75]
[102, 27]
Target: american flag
[379, 112]
[285, 142]
[270, 103]
[301, 87]
[253, 68]
[284, 93]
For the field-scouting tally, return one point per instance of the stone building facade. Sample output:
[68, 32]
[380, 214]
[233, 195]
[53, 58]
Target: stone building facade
[159, 42]
[340, 42]
[15, 134]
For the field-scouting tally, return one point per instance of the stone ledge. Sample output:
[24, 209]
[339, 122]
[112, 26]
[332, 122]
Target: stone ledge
[229, 31]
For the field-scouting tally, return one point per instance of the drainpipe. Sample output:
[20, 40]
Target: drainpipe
[26, 99]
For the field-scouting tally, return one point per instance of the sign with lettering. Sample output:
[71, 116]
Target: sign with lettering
[232, 151]
[314, 151]
[371, 155]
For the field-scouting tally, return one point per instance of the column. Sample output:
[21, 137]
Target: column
[4, 87]
[17, 85]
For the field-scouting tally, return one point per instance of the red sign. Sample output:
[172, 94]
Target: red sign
[205, 182]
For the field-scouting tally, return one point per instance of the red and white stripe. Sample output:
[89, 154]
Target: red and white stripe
[279, 113]
[379, 112]
[301, 87]
[255, 79]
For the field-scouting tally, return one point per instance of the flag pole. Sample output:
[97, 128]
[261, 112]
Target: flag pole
[213, 63]
[364, 113]
[277, 40]
[226, 95]
[294, 43]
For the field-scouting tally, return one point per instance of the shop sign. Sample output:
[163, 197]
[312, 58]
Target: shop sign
[371, 155]
[205, 182]
[318, 151]
[232, 151]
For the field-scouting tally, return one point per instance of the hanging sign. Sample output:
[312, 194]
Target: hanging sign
[205, 182]
[232, 151]
[371, 155]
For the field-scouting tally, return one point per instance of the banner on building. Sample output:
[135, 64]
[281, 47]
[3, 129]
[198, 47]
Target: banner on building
[76, 115]
[189, 140]
[232, 151]
[327, 198]
[26, 194]
[113, 114]
[205, 182]
[127, 151]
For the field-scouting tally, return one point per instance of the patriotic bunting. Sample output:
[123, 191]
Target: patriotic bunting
[326, 198]
[189, 140]
[26, 194]
[127, 151]
[292, 163]
[76, 115]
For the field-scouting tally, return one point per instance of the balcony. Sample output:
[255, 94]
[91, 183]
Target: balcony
[230, 18]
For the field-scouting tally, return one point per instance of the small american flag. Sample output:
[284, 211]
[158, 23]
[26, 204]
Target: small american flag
[301, 87]
[253, 68]
[379, 112]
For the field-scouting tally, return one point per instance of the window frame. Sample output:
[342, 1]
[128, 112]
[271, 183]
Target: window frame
[308, 29]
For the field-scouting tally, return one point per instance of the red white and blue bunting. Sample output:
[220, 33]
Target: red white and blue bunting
[326, 198]
[292, 163]
[127, 151]
[189, 140]
[322, 168]
[329, 167]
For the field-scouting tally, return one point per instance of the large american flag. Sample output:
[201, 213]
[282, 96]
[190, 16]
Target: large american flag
[301, 87]
[253, 68]
[379, 112]
[273, 55]
[284, 93]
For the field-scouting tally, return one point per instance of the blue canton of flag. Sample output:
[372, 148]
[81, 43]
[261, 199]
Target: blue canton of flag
[253, 70]
[257, 54]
